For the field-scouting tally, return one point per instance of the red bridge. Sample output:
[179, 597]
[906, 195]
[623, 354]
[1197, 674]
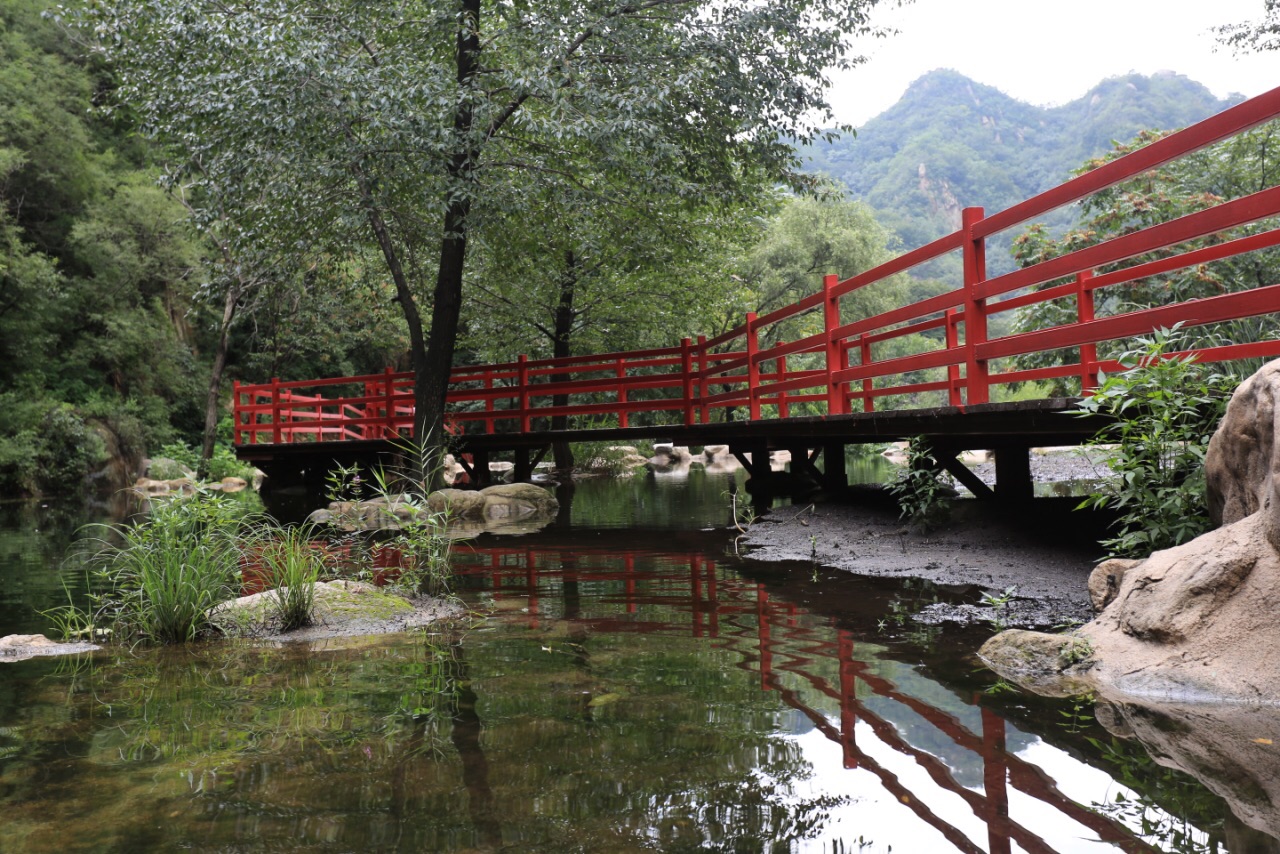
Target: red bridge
[815, 394]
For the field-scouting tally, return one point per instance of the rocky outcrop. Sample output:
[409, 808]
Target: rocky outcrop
[1198, 622]
[1185, 652]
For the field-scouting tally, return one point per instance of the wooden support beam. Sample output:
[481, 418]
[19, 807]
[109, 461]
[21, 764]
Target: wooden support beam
[948, 461]
[834, 474]
[526, 461]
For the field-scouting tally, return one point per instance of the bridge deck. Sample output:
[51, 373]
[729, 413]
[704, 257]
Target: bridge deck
[818, 374]
[1010, 427]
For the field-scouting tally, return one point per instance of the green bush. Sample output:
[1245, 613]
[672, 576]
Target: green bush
[921, 489]
[223, 463]
[1166, 410]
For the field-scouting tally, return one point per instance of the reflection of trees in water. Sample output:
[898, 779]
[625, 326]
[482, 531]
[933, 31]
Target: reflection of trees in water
[626, 701]
[434, 742]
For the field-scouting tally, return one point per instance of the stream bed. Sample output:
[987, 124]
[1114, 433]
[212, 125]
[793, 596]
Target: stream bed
[627, 684]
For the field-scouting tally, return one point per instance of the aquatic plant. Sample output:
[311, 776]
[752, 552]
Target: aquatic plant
[160, 575]
[291, 562]
[420, 537]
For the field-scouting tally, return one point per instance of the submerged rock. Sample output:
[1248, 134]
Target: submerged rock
[22, 647]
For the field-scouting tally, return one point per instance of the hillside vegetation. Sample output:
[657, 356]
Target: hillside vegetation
[951, 143]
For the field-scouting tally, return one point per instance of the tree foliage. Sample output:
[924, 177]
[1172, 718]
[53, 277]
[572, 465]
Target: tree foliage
[408, 125]
[1165, 410]
[1236, 167]
[110, 300]
[1262, 34]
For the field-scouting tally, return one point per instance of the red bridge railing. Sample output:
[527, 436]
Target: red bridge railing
[836, 369]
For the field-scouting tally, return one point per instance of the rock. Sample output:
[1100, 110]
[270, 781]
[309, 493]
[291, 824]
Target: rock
[1198, 622]
[22, 647]
[1240, 466]
[147, 486]
[341, 608]
[457, 503]
[1046, 663]
[1104, 581]
[234, 484]
[513, 501]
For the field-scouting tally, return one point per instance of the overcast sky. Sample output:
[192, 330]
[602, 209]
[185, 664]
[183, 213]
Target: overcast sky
[1050, 53]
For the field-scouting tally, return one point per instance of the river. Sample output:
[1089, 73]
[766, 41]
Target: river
[627, 683]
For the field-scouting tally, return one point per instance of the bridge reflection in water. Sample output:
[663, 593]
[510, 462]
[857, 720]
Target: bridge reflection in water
[892, 734]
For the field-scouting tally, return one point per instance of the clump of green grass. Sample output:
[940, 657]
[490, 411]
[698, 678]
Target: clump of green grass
[291, 562]
[161, 575]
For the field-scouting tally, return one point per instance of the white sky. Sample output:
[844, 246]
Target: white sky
[1051, 52]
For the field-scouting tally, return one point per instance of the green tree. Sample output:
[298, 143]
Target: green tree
[811, 238]
[407, 125]
[1259, 35]
[1236, 167]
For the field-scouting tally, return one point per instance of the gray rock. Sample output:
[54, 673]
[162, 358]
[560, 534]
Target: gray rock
[514, 501]
[22, 647]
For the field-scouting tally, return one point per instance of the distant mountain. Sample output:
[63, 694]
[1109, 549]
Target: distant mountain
[951, 143]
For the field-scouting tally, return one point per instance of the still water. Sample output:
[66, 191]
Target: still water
[628, 684]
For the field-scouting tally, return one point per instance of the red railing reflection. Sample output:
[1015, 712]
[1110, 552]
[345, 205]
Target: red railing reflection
[688, 593]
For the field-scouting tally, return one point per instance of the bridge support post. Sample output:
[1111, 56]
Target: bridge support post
[480, 468]
[1013, 474]
[977, 378]
[757, 466]
[524, 466]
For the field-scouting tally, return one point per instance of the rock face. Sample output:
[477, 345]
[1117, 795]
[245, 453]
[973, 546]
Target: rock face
[1199, 622]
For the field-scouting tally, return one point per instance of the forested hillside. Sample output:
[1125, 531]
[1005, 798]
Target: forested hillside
[109, 296]
[951, 143]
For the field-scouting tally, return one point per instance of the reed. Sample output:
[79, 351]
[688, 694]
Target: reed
[161, 575]
[292, 562]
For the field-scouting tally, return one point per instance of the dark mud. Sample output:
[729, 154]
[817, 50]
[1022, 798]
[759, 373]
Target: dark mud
[1028, 562]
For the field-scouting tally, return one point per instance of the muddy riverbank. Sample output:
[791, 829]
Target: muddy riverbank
[1044, 547]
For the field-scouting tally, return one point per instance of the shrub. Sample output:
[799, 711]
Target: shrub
[161, 575]
[69, 449]
[1166, 409]
[921, 489]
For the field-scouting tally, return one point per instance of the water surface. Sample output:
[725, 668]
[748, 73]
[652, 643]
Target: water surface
[632, 687]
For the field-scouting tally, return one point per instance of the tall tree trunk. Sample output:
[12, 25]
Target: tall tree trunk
[215, 379]
[560, 347]
[432, 365]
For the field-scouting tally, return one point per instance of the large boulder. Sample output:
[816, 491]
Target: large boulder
[518, 501]
[457, 503]
[1199, 622]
